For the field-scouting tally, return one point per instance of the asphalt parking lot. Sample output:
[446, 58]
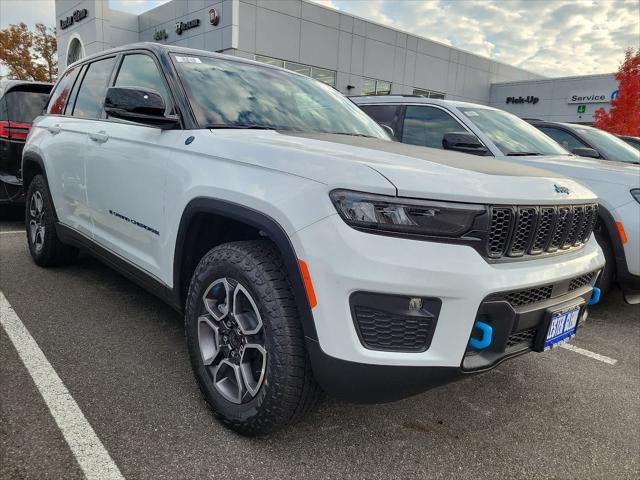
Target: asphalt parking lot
[121, 354]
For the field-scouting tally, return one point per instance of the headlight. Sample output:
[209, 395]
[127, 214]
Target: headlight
[635, 193]
[405, 216]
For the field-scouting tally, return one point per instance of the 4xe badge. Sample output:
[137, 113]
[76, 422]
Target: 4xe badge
[562, 189]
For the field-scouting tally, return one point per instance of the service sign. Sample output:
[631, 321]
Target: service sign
[587, 96]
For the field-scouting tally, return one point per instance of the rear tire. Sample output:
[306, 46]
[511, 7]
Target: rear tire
[605, 280]
[240, 301]
[44, 245]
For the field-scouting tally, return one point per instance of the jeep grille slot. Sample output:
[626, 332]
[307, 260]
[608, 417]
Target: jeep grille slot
[500, 229]
[531, 230]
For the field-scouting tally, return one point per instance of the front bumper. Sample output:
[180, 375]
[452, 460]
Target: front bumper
[343, 261]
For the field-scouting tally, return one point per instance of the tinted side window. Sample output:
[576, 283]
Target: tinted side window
[23, 106]
[567, 140]
[61, 93]
[3, 110]
[427, 125]
[139, 70]
[94, 86]
[384, 114]
[74, 91]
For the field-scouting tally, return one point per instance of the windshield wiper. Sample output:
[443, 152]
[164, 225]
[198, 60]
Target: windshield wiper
[523, 154]
[351, 134]
[243, 126]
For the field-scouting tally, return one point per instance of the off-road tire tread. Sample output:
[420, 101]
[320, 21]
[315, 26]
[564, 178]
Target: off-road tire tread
[54, 253]
[295, 393]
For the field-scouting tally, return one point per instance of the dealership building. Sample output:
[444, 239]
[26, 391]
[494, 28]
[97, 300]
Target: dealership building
[356, 56]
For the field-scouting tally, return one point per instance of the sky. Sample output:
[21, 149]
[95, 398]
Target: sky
[549, 37]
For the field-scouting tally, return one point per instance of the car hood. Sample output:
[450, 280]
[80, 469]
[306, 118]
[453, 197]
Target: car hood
[582, 167]
[586, 169]
[343, 161]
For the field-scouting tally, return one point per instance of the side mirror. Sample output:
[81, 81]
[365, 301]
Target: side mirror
[463, 142]
[389, 130]
[586, 152]
[138, 105]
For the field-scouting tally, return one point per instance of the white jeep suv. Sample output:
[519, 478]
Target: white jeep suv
[492, 133]
[306, 249]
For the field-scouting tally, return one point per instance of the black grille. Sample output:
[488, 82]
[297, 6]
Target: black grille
[523, 232]
[518, 298]
[544, 230]
[525, 337]
[518, 231]
[580, 282]
[530, 295]
[500, 228]
[384, 330]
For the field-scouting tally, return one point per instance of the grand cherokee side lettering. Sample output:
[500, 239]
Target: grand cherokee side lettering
[134, 222]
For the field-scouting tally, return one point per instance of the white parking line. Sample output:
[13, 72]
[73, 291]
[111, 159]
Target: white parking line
[7, 232]
[588, 353]
[93, 458]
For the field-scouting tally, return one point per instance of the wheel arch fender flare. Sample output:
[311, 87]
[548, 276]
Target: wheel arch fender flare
[32, 165]
[260, 221]
[609, 228]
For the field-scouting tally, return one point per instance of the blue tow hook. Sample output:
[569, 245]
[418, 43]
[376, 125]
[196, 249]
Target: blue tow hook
[487, 334]
[595, 296]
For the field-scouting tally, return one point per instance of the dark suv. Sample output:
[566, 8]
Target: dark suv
[588, 141]
[20, 103]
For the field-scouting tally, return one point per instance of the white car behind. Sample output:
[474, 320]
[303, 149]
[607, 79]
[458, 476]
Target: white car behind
[491, 132]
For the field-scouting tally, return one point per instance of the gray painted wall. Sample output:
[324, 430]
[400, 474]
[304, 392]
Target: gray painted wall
[302, 32]
[553, 95]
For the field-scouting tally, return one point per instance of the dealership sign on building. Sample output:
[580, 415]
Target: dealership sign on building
[590, 97]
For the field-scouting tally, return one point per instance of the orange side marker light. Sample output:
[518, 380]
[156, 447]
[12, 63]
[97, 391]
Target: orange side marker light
[308, 285]
[621, 232]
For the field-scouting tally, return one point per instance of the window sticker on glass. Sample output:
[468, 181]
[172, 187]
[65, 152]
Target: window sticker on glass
[188, 59]
[471, 113]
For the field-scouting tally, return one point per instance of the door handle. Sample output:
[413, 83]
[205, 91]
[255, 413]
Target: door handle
[54, 129]
[99, 137]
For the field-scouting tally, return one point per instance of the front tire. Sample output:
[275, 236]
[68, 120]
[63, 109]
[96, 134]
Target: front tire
[44, 245]
[245, 339]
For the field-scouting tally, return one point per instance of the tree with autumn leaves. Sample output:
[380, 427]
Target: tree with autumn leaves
[29, 54]
[624, 116]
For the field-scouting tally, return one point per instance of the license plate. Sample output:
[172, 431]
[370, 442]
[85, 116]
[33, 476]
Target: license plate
[562, 327]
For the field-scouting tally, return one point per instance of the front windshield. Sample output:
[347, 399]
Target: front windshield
[228, 94]
[612, 147]
[512, 135]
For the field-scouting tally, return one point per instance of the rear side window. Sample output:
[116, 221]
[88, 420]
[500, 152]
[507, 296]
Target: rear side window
[61, 92]
[23, 107]
[426, 126]
[384, 114]
[568, 141]
[92, 91]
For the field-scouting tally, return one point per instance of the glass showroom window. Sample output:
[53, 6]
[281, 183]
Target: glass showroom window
[428, 93]
[371, 86]
[271, 61]
[322, 74]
